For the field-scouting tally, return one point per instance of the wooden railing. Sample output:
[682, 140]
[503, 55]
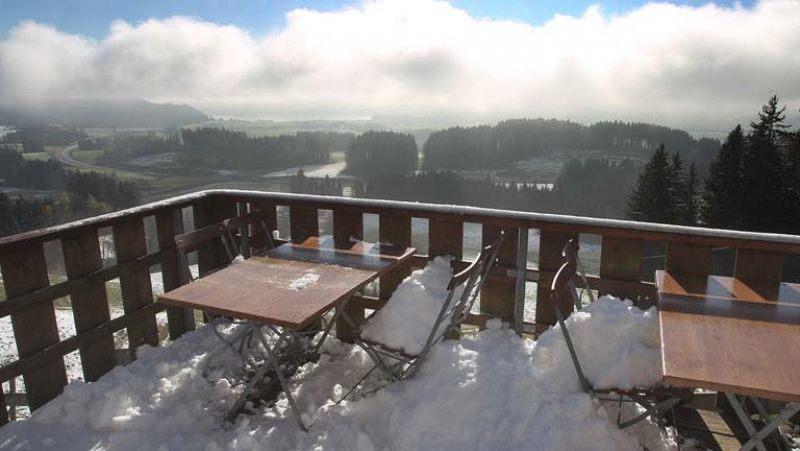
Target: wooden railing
[623, 269]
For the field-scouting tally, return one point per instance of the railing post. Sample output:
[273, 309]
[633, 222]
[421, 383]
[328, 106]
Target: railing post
[683, 258]
[24, 270]
[303, 223]
[89, 304]
[170, 223]
[446, 237]
[498, 295]
[551, 243]
[347, 224]
[620, 259]
[522, 269]
[395, 230]
[129, 241]
[762, 271]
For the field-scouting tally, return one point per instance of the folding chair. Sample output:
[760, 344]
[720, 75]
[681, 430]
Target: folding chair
[249, 231]
[665, 398]
[462, 291]
[570, 253]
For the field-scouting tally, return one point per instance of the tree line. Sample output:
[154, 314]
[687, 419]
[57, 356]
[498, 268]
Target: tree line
[34, 138]
[498, 146]
[752, 184]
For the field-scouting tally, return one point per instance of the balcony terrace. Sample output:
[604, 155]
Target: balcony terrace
[622, 255]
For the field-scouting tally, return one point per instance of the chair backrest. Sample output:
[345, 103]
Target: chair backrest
[561, 283]
[194, 240]
[247, 230]
[570, 254]
[459, 301]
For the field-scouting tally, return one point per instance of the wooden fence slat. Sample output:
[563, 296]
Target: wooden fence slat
[446, 237]
[303, 223]
[4, 416]
[498, 295]
[347, 224]
[395, 230]
[129, 241]
[620, 259]
[684, 258]
[24, 270]
[89, 304]
[168, 224]
[760, 270]
[551, 244]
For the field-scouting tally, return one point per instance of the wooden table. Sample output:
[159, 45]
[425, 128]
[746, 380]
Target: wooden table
[288, 288]
[720, 333]
[268, 288]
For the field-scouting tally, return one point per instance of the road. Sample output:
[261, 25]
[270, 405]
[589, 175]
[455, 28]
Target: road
[64, 155]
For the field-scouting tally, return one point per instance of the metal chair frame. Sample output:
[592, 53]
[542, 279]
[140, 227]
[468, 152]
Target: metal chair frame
[396, 364]
[564, 278]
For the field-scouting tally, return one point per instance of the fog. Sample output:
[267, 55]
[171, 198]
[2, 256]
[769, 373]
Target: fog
[707, 66]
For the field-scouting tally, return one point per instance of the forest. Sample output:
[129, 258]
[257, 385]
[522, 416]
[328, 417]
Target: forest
[752, 184]
[498, 146]
[70, 194]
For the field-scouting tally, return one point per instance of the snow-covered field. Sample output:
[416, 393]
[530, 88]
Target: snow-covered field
[331, 170]
[492, 390]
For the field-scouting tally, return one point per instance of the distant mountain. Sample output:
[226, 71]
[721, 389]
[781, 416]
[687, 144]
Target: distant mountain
[134, 113]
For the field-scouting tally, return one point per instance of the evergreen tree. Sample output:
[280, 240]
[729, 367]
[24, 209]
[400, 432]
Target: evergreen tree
[691, 212]
[764, 203]
[653, 197]
[8, 224]
[722, 196]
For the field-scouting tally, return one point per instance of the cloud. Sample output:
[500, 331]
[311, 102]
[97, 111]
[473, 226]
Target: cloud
[657, 62]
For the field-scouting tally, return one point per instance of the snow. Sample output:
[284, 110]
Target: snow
[332, 170]
[491, 390]
[306, 280]
[407, 318]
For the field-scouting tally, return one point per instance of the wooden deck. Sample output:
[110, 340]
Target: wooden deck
[625, 268]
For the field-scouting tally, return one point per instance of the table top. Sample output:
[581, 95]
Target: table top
[289, 286]
[720, 333]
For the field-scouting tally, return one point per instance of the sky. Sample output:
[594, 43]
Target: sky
[681, 62]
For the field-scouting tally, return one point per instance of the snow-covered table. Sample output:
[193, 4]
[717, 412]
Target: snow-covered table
[289, 288]
[720, 333]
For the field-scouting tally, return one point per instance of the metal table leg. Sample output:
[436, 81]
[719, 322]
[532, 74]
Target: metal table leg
[785, 413]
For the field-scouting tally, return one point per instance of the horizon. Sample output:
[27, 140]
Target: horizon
[582, 61]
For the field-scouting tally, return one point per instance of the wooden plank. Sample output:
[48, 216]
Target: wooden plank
[446, 237]
[46, 355]
[620, 259]
[395, 230]
[48, 293]
[347, 225]
[762, 270]
[129, 241]
[169, 224]
[303, 223]
[498, 294]
[89, 304]
[4, 417]
[550, 245]
[734, 343]
[24, 270]
[688, 258]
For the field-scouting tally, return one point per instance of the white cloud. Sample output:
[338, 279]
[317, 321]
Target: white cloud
[658, 62]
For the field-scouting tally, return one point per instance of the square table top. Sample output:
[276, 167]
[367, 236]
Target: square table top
[720, 333]
[291, 285]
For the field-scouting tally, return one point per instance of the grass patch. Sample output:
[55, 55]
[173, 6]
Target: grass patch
[40, 156]
[88, 156]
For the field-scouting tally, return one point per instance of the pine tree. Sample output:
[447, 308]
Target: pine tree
[721, 199]
[690, 196]
[764, 202]
[653, 197]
